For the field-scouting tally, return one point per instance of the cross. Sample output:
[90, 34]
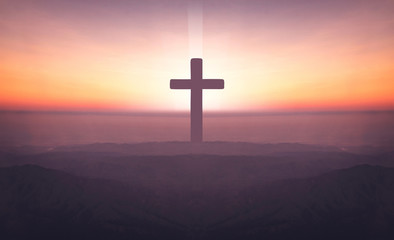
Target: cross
[196, 84]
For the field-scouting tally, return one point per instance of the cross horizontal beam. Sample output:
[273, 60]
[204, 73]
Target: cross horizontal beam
[205, 84]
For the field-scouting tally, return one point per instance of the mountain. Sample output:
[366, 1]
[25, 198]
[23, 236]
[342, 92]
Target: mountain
[245, 163]
[353, 203]
[182, 185]
[125, 190]
[38, 203]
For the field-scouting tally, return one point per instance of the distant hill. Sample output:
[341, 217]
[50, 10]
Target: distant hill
[353, 203]
[180, 148]
[244, 164]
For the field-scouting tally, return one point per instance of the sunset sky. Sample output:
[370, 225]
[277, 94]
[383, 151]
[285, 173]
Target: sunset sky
[120, 55]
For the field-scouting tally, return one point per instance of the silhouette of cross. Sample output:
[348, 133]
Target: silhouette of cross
[196, 84]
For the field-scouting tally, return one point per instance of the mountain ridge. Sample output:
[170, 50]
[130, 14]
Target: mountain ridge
[178, 148]
[355, 202]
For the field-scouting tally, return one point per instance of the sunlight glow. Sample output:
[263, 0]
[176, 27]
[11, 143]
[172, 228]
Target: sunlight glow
[292, 58]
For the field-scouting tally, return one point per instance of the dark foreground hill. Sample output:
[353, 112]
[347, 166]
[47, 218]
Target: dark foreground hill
[38, 203]
[197, 190]
[354, 203]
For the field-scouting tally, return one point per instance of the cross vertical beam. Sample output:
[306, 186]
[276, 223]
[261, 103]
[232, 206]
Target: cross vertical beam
[196, 84]
[196, 100]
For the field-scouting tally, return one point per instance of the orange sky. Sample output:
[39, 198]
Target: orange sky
[120, 55]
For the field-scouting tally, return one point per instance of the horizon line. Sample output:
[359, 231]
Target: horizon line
[206, 113]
